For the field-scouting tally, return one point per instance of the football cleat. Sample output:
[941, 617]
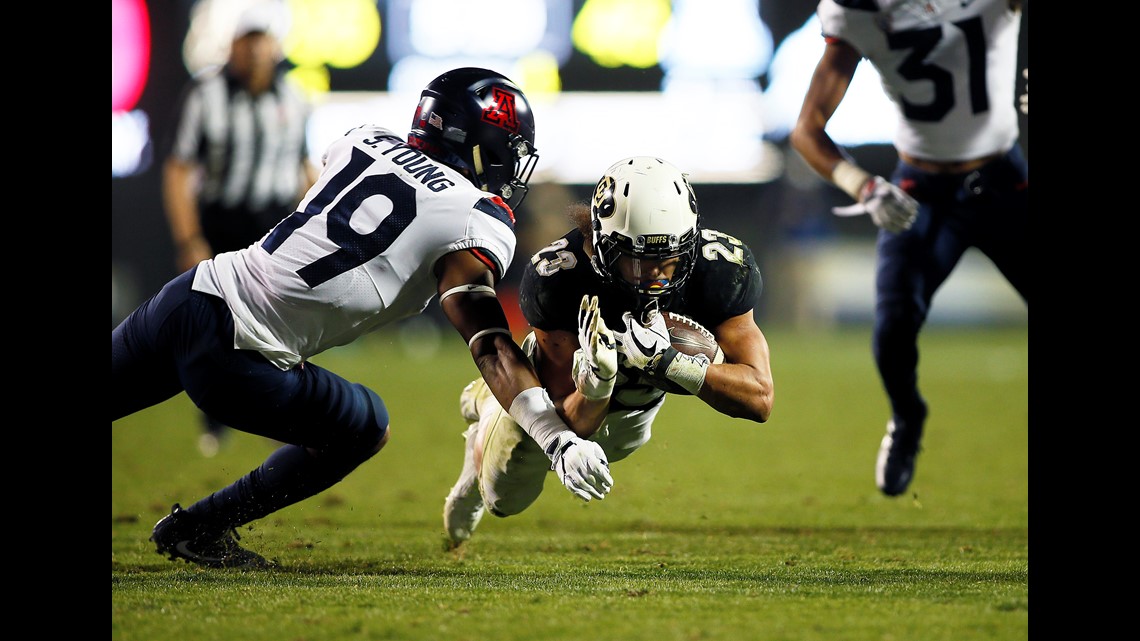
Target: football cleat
[463, 508]
[180, 535]
[894, 467]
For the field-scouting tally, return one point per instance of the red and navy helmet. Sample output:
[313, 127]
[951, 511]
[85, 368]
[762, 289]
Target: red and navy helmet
[480, 123]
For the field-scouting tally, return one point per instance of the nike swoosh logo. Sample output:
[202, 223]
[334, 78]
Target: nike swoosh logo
[644, 349]
[183, 548]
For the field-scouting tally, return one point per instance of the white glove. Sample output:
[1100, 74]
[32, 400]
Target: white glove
[596, 361]
[890, 207]
[642, 346]
[581, 465]
[650, 349]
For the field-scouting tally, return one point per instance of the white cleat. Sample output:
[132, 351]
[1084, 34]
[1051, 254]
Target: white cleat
[463, 508]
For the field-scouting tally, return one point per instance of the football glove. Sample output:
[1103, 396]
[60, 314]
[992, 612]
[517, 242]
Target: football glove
[640, 346]
[596, 361]
[889, 206]
[581, 465]
[650, 349]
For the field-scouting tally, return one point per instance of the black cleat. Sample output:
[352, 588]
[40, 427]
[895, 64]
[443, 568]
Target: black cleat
[180, 535]
[894, 467]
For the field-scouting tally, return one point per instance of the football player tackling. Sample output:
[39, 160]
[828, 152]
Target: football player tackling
[390, 224]
[638, 250]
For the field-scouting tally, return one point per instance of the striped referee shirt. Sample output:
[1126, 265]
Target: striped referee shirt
[251, 148]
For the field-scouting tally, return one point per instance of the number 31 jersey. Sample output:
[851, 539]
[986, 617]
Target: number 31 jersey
[360, 251]
[949, 66]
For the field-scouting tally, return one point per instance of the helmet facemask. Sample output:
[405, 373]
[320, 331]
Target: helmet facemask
[505, 178]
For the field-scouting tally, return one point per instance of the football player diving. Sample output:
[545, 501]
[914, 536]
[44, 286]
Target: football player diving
[594, 299]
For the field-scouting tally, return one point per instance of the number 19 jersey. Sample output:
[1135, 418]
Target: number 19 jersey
[360, 251]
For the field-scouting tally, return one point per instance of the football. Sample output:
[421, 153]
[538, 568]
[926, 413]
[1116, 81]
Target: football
[688, 337]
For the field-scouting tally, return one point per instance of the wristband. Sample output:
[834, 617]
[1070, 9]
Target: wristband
[468, 289]
[850, 178]
[533, 410]
[684, 370]
[481, 334]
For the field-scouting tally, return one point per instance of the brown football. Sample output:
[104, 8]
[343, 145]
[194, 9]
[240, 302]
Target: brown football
[688, 337]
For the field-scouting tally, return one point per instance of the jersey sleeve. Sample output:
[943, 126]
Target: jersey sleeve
[726, 283]
[497, 250]
[553, 283]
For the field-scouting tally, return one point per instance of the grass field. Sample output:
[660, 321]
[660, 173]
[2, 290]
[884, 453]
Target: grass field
[717, 529]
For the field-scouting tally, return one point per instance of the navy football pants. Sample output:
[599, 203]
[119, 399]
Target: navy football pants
[987, 209]
[183, 340]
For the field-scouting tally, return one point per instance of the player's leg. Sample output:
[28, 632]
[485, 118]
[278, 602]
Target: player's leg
[503, 468]
[463, 506]
[1003, 226]
[624, 432]
[143, 372]
[512, 467]
[912, 265]
[329, 424]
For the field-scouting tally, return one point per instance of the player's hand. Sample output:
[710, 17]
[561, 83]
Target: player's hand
[641, 346]
[889, 206]
[582, 466]
[596, 361]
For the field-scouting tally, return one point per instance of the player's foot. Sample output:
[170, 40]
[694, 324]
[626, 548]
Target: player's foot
[894, 467]
[463, 507]
[179, 535]
[469, 400]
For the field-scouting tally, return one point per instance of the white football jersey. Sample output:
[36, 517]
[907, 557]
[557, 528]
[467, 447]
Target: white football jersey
[359, 252]
[949, 66]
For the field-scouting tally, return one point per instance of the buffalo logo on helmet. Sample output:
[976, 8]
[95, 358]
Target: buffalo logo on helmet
[501, 112]
[604, 197]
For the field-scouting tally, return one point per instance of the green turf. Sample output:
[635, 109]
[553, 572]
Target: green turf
[717, 529]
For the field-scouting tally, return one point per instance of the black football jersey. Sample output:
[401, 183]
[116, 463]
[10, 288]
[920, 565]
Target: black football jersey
[724, 282]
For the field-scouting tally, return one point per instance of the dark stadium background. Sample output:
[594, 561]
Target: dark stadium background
[770, 216]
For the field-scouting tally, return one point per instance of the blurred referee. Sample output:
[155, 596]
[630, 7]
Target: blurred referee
[237, 162]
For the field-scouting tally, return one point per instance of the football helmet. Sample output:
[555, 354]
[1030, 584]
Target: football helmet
[480, 123]
[644, 209]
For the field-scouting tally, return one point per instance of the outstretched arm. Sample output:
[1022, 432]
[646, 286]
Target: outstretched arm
[580, 371]
[468, 299]
[741, 386]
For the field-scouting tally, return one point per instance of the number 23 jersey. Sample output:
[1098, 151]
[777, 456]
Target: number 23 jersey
[360, 251]
[724, 282]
